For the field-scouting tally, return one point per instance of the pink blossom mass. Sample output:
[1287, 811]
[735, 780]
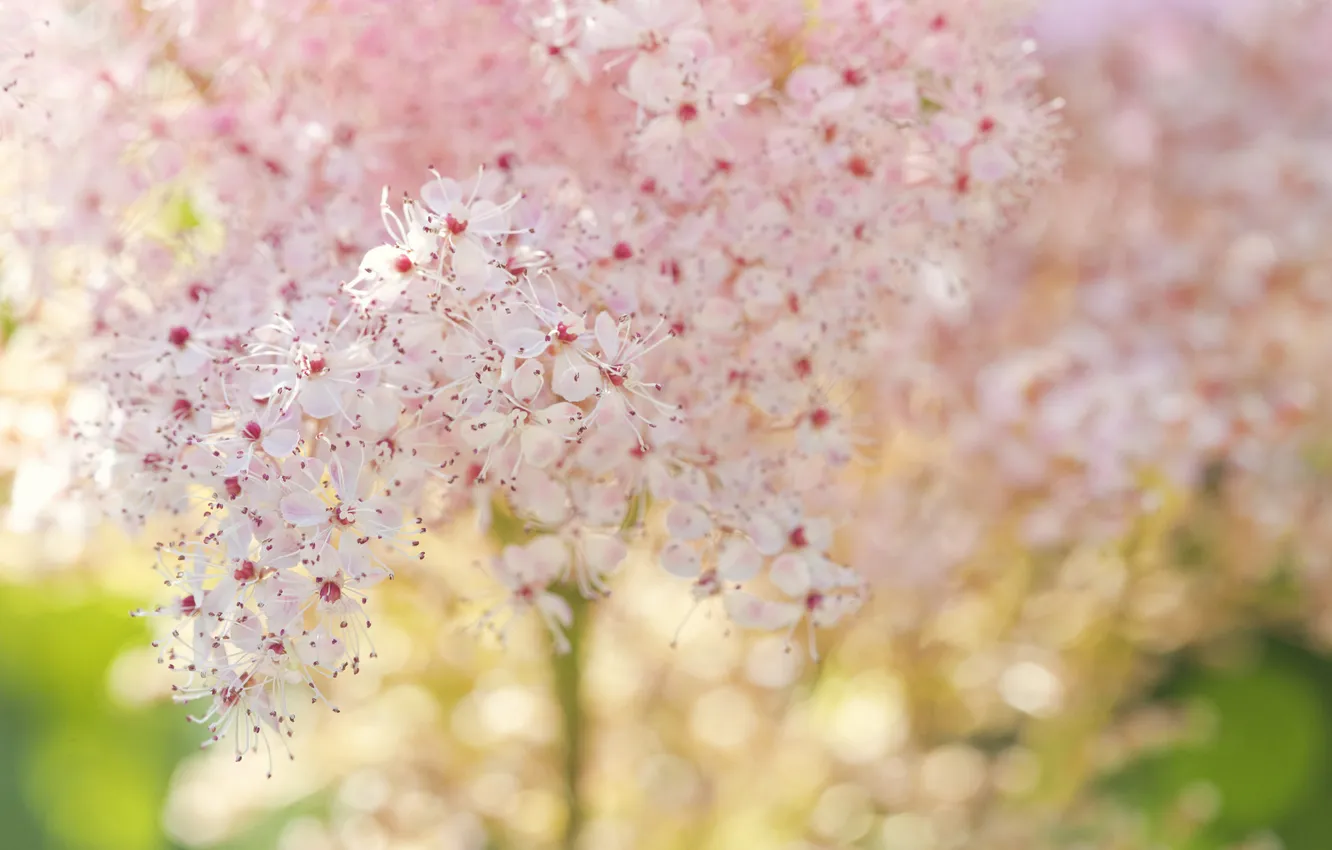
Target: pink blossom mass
[807, 301]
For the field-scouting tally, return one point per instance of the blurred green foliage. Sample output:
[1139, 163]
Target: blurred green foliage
[77, 770]
[81, 771]
[9, 321]
[1265, 752]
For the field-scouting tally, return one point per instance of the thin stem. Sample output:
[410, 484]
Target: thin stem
[568, 670]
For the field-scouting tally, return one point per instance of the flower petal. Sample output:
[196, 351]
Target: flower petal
[575, 379]
[528, 381]
[680, 560]
[608, 336]
[541, 446]
[320, 399]
[602, 553]
[687, 522]
[281, 442]
[750, 612]
[739, 560]
[303, 509]
[524, 342]
[790, 574]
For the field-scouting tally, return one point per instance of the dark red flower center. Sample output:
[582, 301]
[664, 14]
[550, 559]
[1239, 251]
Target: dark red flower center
[178, 336]
[245, 572]
[330, 591]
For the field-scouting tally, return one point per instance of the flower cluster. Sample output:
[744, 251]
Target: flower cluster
[677, 269]
[1157, 317]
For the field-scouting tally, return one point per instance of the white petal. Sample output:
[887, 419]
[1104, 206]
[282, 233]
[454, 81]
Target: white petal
[220, 600]
[285, 548]
[327, 565]
[379, 515]
[541, 446]
[320, 399]
[344, 476]
[818, 533]
[687, 522]
[190, 362]
[604, 503]
[655, 83]
[790, 574]
[280, 612]
[266, 383]
[247, 630]
[608, 336]
[990, 162]
[528, 380]
[241, 455]
[751, 612]
[513, 567]
[739, 560]
[810, 82]
[953, 130]
[303, 509]
[379, 262]
[766, 534]
[471, 266]
[691, 485]
[680, 559]
[440, 194]
[523, 342]
[834, 608]
[608, 28]
[662, 133]
[488, 218]
[379, 409]
[561, 418]
[237, 539]
[602, 553]
[556, 607]
[281, 442]
[540, 497]
[483, 431]
[548, 557]
[575, 379]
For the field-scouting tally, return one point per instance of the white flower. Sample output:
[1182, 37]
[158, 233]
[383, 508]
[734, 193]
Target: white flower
[473, 227]
[268, 429]
[822, 590]
[527, 572]
[542, 434]
[671, 27]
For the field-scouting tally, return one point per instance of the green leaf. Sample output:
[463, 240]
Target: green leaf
[1269, 748]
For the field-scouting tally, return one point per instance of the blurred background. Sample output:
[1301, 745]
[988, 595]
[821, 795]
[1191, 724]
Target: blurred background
[955, 733]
